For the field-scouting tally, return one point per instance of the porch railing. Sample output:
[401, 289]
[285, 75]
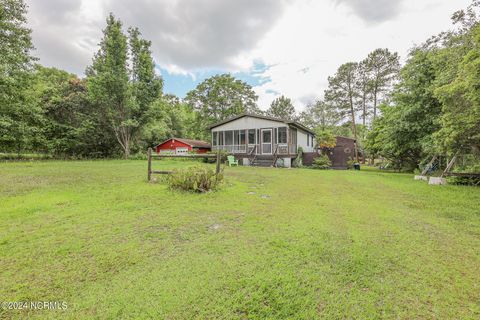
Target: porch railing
[231, 149]
[281, 148]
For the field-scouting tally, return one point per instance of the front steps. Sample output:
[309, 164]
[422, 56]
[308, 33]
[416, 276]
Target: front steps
[263, 161]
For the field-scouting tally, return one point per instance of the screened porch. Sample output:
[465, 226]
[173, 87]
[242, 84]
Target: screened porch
[265, 141]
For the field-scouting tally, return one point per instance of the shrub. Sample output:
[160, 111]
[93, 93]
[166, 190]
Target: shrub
[196, 179]
[467, 181]
[298, 162]
[322, 162]
[139, 156]
[350, 163]
[223, 155]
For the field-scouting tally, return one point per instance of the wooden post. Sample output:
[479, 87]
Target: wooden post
[450, 164]
[149, 156]
[217, 171]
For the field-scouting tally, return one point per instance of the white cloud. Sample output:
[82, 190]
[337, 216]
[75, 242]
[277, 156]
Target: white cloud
[303, 41]
[186, 34]
[314, 38]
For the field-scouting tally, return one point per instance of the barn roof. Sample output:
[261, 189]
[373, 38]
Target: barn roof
[190, 142]
[289, 122]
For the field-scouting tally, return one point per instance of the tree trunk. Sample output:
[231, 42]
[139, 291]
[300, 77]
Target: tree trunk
[354, 127]
[364, 112]
[123, 137]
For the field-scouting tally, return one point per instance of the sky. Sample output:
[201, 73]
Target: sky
[279, 47]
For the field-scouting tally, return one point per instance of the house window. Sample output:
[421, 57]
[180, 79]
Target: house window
[308, 140]
[251, 136]
[241, 137]
[282, 135]
[228, 138]
[214, 138]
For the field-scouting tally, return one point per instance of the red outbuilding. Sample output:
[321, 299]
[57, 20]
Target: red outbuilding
[182, 146]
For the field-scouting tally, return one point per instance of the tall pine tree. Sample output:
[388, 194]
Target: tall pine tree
[282, 108]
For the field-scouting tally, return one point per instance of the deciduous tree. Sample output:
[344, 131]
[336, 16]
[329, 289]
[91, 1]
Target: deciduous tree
[20, 120]
[220, 97]
[124, 94]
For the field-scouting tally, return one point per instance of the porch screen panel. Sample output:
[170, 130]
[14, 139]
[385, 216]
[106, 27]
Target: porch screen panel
[282, 135]
[228, 138]
[241, 137]
[236, 134]
[214, 138]
[220, 138]
[251, 136]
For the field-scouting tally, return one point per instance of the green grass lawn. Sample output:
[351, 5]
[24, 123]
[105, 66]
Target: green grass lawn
[272, 243]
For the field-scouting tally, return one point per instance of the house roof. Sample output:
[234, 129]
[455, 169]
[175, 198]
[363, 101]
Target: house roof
[190, 142]
[289, 122]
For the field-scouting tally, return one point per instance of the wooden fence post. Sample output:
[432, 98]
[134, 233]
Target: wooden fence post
[149, 156]
[217, 171]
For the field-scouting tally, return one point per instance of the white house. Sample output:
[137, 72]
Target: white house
[261, 140]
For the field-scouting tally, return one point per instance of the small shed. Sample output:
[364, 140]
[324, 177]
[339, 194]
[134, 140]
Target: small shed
[343, 152]
[340, 155]
[180, 146]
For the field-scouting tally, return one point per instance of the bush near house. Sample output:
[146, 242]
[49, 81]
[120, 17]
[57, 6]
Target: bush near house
[322, 162]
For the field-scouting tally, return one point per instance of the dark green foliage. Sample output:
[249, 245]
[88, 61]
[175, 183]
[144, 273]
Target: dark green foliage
[322, 162]
[196, 179]
[223, 155]
[403, 134]
[170, 117]
[460, 98]
[125, 95]
[319, 115]
[282, 108]
[220, 97]
[435, 107]
[71, 125]
[20, 121]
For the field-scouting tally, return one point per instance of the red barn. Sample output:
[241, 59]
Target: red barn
[183, 146]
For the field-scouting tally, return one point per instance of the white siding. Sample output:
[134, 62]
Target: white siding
[249, 123]
[302, 141]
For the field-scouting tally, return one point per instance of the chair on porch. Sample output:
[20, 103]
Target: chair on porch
[231, 161]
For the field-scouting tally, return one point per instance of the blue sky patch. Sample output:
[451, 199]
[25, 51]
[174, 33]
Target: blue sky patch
[180, 84]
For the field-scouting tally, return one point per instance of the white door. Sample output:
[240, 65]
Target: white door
[266, 141]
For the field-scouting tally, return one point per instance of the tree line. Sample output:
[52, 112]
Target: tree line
[402, 114]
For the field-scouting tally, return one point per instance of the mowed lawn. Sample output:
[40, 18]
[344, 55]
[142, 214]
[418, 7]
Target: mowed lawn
[271, 244]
